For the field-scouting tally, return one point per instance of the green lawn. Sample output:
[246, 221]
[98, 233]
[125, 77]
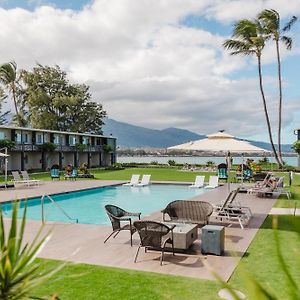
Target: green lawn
[80, 281]
[175, 174]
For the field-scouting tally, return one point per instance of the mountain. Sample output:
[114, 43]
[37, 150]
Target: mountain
[131, 136]
[138, 137]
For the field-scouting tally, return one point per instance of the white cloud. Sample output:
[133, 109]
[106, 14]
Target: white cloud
[144, 65]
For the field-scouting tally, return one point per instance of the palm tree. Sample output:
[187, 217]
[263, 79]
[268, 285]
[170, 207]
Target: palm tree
[270, 20]
[8, 77]
[248, 39]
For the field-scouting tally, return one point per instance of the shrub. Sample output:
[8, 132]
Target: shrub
[47, 147]
[154, 162]
[7, 144]
[80, 147]
[296, 147]
[20, 273]
[171, 162]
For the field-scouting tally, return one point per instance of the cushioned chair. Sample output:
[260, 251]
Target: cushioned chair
[188, 211]
[154, 235]
[54, 173]
[118, 215]
[222, 171]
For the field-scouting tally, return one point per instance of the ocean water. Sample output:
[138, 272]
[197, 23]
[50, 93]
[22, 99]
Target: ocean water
[290, 160]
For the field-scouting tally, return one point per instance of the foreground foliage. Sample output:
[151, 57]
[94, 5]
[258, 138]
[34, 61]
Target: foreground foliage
[19, 271]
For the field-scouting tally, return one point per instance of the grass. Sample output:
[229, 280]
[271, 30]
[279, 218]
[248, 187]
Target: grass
[81, 281]
[174, 174]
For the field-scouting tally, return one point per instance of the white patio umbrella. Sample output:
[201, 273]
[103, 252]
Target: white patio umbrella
[221, 142]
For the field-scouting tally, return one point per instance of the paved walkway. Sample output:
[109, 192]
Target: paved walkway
[84, 243]
[285, 211]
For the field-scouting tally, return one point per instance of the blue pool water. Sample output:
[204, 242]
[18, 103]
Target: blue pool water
[88, 205]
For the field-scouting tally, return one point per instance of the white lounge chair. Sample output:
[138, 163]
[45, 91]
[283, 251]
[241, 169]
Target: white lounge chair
[134, 180]
[26, 178]
[145, 180]
[17, 178]
[232, 213]
[199, 182]
[213, 182]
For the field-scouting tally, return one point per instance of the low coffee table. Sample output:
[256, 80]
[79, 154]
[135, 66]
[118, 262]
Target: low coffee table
[184, 235]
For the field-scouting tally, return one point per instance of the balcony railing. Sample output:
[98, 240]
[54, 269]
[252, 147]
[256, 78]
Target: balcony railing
[59, 148]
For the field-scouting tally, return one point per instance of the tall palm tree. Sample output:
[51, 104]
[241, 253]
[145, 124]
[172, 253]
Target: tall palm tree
[248, 39]
[9, 78]
[270, 20]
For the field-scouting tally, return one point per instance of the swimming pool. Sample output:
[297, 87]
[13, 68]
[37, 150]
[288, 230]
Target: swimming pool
[88, 205]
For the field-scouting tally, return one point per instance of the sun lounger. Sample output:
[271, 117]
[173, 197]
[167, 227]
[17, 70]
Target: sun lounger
[199, 182]
[18, 180]
[134, 180]
[145, 180]
[26, 178]
[213, 182]
[232, 213]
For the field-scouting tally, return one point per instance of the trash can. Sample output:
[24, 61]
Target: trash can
[212, 239]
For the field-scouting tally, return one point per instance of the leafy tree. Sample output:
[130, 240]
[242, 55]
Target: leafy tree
[4, 114]
[10, 79]
[54, 103]
[270, 19]
[248, 39]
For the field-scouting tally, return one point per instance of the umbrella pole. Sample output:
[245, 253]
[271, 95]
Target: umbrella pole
[229, 167]
[5, 170]
[242, 169]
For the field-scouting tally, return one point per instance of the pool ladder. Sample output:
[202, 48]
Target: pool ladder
[57, 205]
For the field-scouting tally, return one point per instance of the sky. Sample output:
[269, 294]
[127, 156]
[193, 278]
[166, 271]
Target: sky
[160, 63]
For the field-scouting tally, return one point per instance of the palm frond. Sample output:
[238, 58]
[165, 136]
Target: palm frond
[287, 41]
[237, 47]
[289, 24]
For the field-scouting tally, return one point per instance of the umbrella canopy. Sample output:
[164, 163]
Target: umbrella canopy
[220, 142]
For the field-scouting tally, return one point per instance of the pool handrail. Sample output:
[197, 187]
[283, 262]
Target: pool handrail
[57, 205]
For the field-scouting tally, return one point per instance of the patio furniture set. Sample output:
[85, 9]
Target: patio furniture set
[178, 229]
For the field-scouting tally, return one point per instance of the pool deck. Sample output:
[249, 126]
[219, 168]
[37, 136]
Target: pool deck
[82, 243]
[53, 187]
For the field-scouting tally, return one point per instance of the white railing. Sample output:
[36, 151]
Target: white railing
[57, 205]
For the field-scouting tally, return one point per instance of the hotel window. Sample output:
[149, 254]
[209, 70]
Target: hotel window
[72, 140]
[85, 140]
[57, 139]
[39, 139]
[2, 136]
[25, 138]
[18, 138]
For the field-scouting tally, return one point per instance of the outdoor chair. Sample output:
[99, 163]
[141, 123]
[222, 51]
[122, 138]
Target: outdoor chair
[145, 180]
[155, 236]
[26, 177]
[18, 180]
[54, 173]
[232, 213]
[73, 175]
[222, 172]
[118, 215]
[188, 211]
[199, 182]
[134, 180]
[213, 182]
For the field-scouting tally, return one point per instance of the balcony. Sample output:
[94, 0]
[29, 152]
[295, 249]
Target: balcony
[59, 148]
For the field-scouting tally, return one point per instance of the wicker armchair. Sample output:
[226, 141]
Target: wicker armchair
[154, 235]
[118, 215]
[188, 211]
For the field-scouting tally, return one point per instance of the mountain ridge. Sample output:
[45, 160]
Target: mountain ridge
[133, 136]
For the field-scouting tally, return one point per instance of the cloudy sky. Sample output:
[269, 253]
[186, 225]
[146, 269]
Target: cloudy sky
[158, 63]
